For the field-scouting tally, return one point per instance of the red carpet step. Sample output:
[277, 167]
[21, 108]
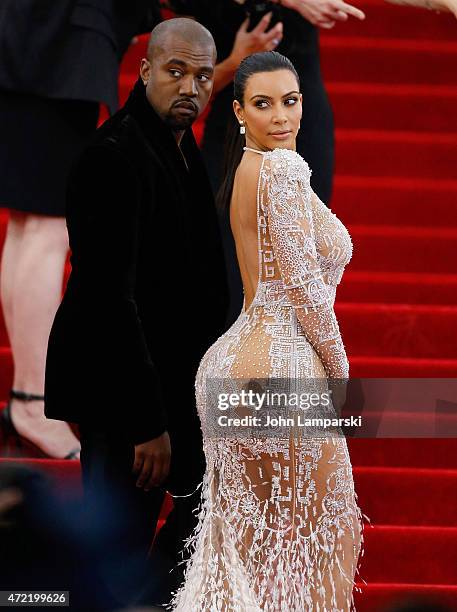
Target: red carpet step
[381, 106]
[419, 555]
[389, 60]
[387, 20]
[396, 153]
[397, 287]
[388, 200]
[403, 330]
[406, 453]
[404, 249]
[391, 367]
[436, 488]
[388, 597]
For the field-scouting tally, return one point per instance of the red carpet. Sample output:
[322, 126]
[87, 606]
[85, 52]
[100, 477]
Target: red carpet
[393, 85]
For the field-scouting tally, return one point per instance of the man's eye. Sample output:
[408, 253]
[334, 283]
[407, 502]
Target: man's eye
[261, 103]
[203, 78]
[291, 101]
[174, 72]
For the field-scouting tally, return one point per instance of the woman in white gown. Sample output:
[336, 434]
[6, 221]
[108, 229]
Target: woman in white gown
[279, 527]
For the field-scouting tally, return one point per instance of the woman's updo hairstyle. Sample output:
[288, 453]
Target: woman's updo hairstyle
[266, 61]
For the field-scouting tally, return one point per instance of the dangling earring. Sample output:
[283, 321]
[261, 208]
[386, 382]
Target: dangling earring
[242, 128]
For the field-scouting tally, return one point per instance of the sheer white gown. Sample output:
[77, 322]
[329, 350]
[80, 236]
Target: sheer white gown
[279, 527]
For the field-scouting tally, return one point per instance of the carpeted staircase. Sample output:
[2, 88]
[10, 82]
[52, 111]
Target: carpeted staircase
[393, 84]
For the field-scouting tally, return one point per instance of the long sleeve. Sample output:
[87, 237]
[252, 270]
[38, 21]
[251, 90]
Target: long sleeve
[104, 222]
[286, 196]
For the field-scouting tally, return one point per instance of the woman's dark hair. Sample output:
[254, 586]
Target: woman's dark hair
[267, 61]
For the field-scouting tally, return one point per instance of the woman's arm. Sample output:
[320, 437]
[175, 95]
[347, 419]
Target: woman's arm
[287, 196]
[433, 5]
[323, 13]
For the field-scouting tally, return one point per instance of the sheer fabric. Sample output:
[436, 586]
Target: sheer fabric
[279, 527]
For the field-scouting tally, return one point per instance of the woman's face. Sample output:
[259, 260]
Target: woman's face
[272, 110]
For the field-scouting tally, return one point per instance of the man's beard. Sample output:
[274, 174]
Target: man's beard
[177, 123]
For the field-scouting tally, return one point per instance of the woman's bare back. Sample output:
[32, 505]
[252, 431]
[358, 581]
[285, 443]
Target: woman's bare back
[243, 222]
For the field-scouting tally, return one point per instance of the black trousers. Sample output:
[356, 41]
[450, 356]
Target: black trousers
[135, 572]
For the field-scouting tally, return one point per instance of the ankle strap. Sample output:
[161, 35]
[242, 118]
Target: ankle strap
[25, 397]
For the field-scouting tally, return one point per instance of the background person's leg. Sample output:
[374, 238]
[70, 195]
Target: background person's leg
[32, 271]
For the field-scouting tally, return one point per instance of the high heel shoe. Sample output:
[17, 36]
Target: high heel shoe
[22, 443]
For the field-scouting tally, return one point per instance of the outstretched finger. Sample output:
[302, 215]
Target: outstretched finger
[273, 37]
[244, 26]
[350, 10]
[326, 25]
[339, 15]
[263, 24]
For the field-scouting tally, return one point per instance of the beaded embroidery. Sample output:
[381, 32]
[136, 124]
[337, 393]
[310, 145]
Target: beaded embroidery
[279, 529]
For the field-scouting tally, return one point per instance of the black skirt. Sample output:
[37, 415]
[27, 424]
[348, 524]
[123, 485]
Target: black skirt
[39, 140]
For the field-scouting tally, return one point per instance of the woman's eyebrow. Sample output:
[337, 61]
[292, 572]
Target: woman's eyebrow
[269, 97]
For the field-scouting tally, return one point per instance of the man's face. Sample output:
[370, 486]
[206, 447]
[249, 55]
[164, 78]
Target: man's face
[179, 80]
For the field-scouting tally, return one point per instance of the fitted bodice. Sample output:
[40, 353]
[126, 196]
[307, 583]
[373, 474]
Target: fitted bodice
[332, 242]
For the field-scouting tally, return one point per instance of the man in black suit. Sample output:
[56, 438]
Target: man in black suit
[146, 297]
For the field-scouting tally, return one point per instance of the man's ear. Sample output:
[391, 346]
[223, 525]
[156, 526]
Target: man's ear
[145, 70]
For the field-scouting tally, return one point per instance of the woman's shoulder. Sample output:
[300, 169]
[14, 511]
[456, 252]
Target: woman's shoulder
[287, 166]
[287, 163]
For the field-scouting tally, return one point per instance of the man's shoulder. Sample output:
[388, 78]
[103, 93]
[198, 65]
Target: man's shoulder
[118, 133]
[117, 142]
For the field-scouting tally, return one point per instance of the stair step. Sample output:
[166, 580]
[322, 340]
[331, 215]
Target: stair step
[415, 554]
[389, 60]
[404, 249]
[401, 330]
[426, 453]
[389, 200]
[366, 366]
[384, 20]
[395, 153]
[381, 106]
[376, 597]
[405, 486]
[397, 287]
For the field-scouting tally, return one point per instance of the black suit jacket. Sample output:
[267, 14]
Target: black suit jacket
[69, 49]
[147, 293]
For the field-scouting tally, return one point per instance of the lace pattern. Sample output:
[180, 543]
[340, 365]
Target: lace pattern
[279, 529]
